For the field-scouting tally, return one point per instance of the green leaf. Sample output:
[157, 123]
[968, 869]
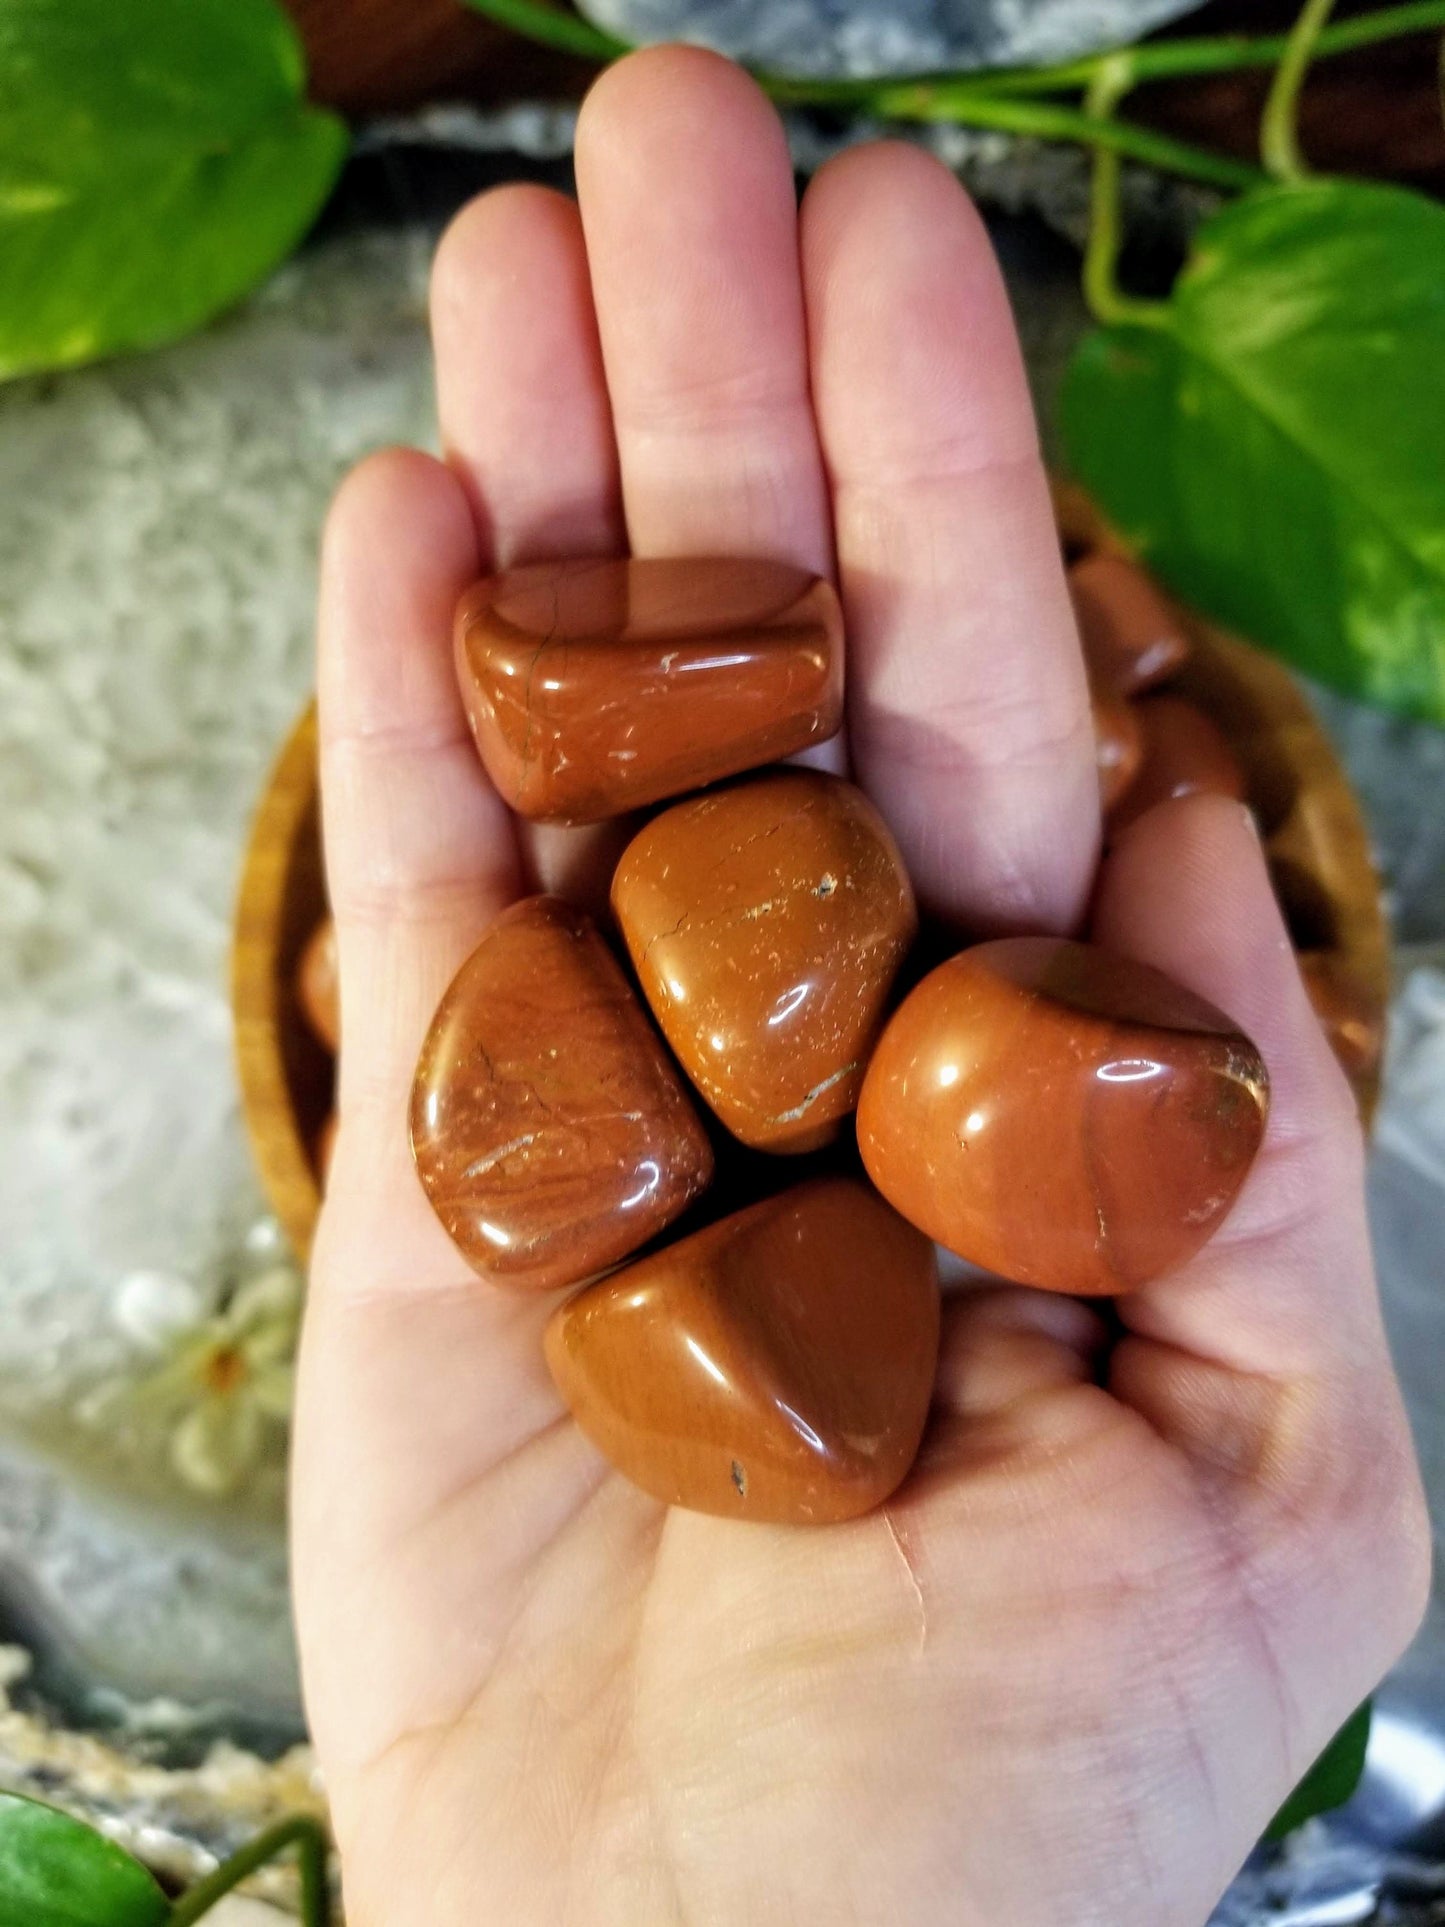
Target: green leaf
[57, 1872]
[1331, 1780]
[1275, 446]
[157, 160]
[551, 26]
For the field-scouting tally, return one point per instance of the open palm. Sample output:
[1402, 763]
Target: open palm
[1133, 1584]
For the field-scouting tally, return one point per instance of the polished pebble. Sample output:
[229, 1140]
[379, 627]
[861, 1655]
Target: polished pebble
[1118, 744]
[593, 687]
[318, 987]
[776, 1366]
[1185, 754]
[1350, 1018]
[1133, 635]
[766, 922]
[1060, 1115]
[325, 1148]
[550, 1131]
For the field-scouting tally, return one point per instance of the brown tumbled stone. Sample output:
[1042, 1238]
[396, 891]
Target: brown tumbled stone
[325, 1148]
[550, 1131]
[1132, 633]
[593, 687]
[1060, 1115]
[1185, 754]
[317, 985]
[1350, 1018]
[1118, 744]
[767, 922]
[776, 1366]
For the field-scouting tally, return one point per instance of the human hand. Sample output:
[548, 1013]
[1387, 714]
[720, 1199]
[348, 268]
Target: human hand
[1070, 1670]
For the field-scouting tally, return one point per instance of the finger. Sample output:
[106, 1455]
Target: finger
[968, 713]
[524, 414]
[1286, 1282]
[419, 851]
[521, 399]
[1017, 1385]
[687, 199]
[418, 1382]
[1264, 1359]
[1004, 1346]
[415, 1377]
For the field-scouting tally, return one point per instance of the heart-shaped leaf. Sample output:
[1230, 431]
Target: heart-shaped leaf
[57, 1872]
[157, 159]
[1276, 447]
[1331, 1780]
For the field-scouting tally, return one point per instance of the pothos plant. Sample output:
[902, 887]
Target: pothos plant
[57, 1872]
[1269, 437]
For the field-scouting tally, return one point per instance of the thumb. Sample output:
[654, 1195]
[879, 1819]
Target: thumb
[1264, 1358]
[1286, 1284]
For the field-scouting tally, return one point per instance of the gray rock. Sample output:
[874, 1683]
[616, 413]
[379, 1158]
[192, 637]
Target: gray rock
[1398, 768]
[157, 581]
[865, 37]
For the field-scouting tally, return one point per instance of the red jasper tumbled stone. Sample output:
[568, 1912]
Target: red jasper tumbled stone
[1060, 1115]
[593, 687]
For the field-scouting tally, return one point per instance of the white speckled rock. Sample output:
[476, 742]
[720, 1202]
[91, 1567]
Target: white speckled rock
[157, 585]
[888, 36]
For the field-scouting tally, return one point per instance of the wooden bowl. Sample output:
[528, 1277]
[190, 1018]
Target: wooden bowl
[286, 1076]
[1315, 834]
[1316, 837]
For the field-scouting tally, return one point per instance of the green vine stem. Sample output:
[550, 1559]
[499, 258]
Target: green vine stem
[310, 1843]
[964, 106]
[554, 27]
[1155, 60]
[1188, 57]
[1279, 147]
[1107, 302]
[1006, 100]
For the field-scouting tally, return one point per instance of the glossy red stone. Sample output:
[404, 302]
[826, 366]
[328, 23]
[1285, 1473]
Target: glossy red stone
[593, 687]
[318, 987]
[1133, 635]
[1350, 1018]
[1185, 754]
[766, 922]
[1062, 1116]
[550, 1130]
[775, 1366]
[1118, 745]
[325, 1148]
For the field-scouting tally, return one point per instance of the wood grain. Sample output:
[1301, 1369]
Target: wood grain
[1315, 832]
[286, 1077]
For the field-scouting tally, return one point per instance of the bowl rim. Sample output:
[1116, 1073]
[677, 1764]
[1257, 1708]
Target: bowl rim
[282, 1156]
